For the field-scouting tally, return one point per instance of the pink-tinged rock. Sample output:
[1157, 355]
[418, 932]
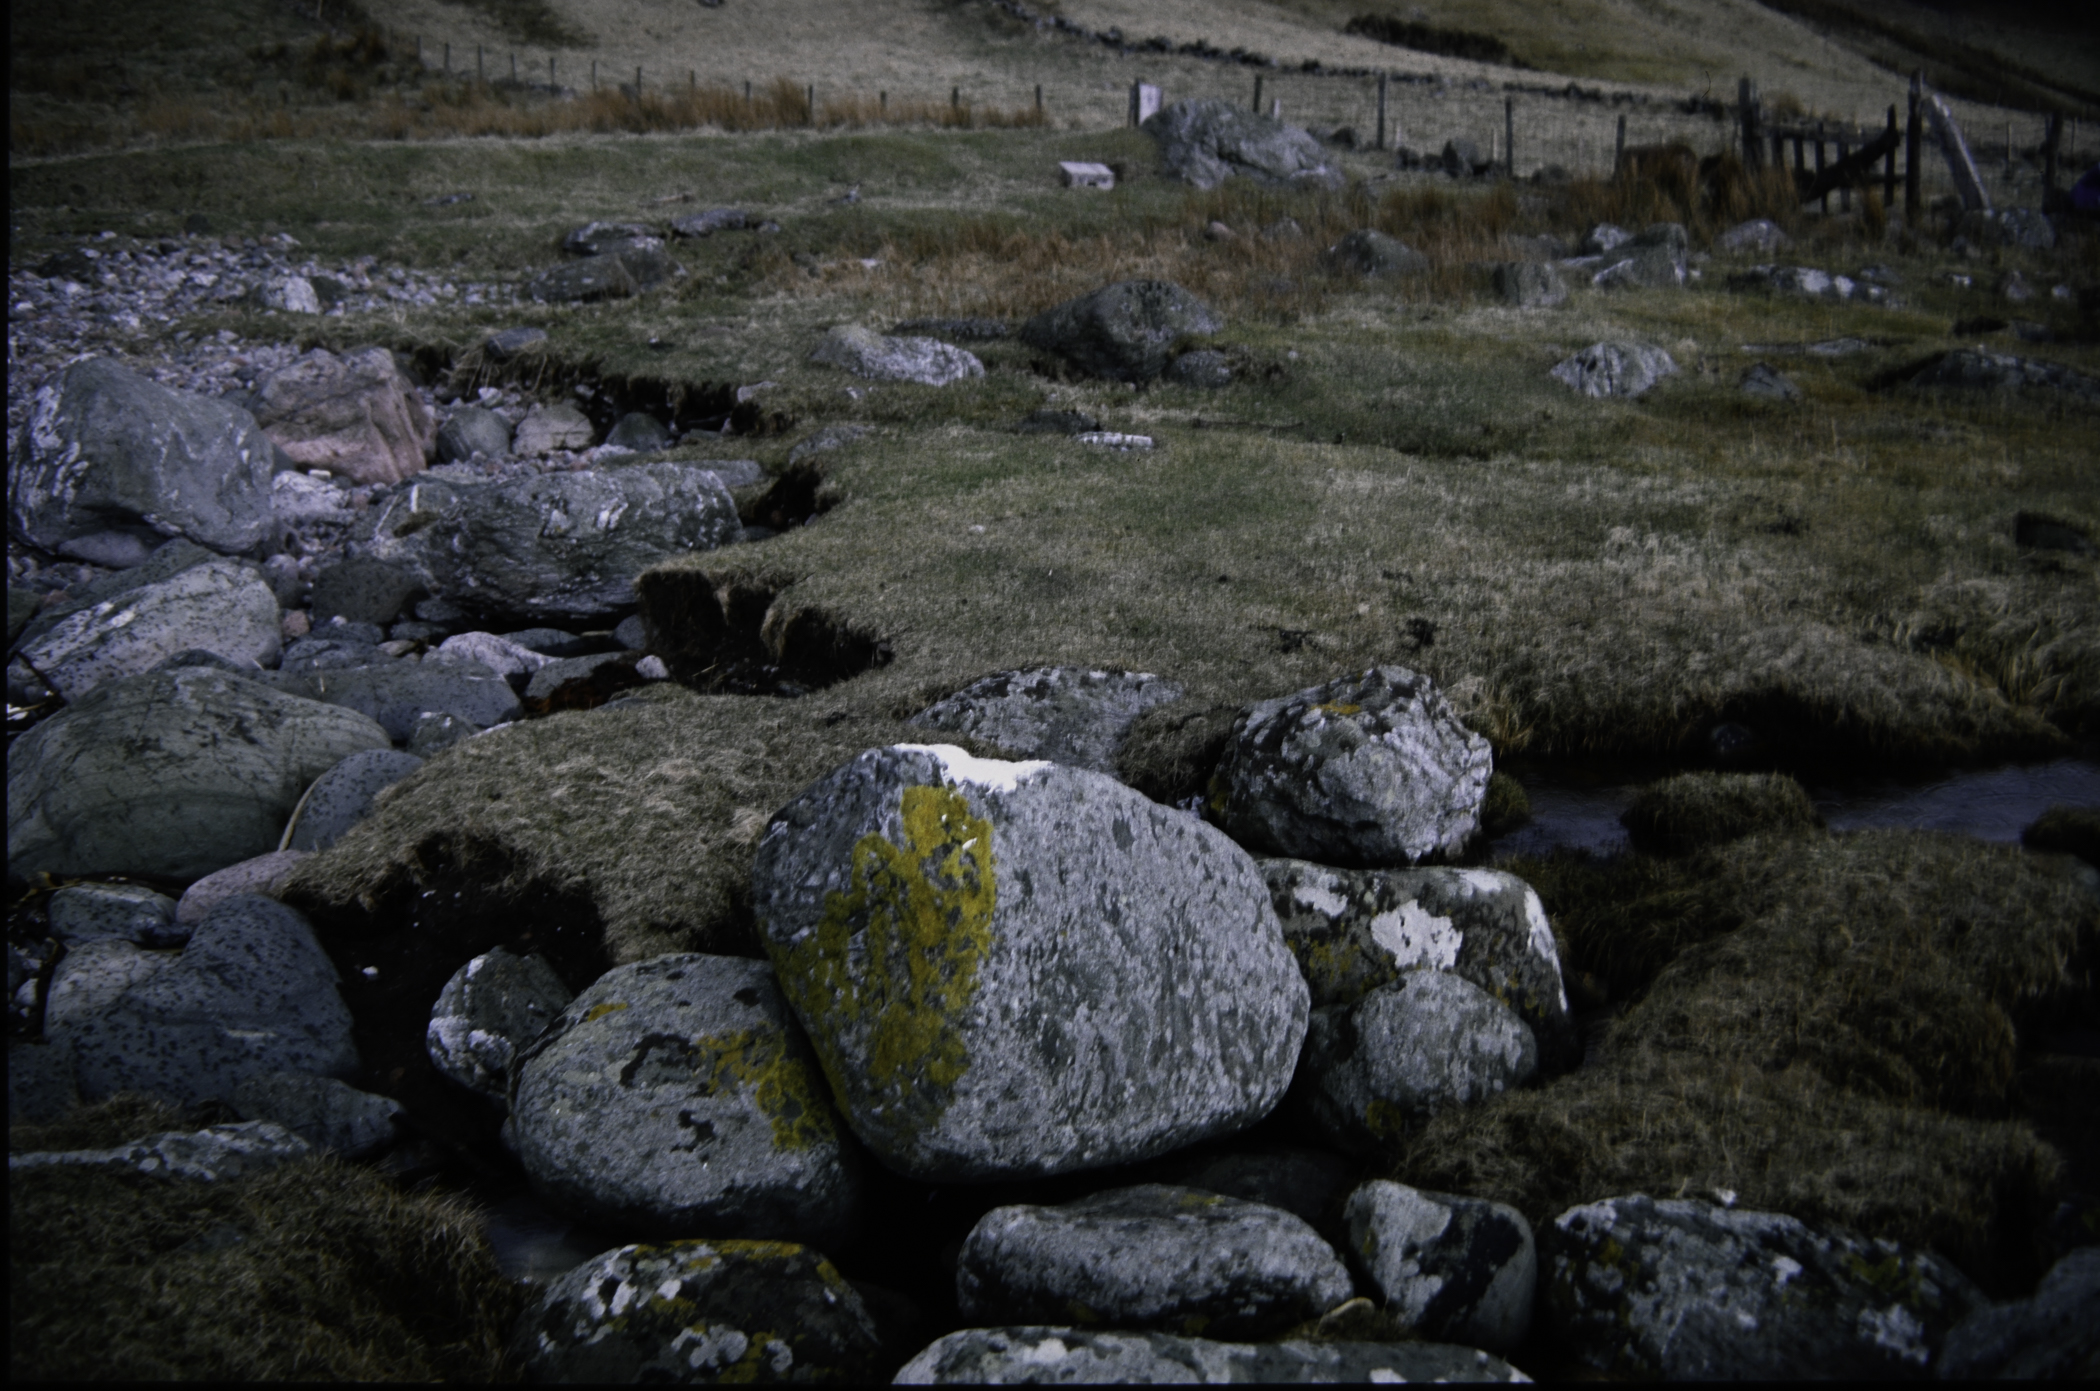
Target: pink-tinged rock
[265, 875]
[356, 415]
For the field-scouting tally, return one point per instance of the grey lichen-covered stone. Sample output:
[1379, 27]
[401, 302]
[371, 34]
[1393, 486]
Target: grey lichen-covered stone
[251, 993]
[1206, 141]
[355, 414]
[82, 912]
[1528, 284]
[1070, 715]
[1366, 770]
[395, 695]
[176, 773]
[699, 1311]
[1759, 234]
[265, 875]
[1981, 370]
[1691, 1290]
[548, 428]
[491, 1007]
[2051, 1335]
[1355, 930]
[547, 682]
[1644, 268]
[220, 605]
[472, 430]
[165, 561]
[1615, 369]
[1051, 1356]
[1405, 1051]
[1763, 380]
[598, 238]
[1205, 368]
[1459, 1270]
[639, 432]
[613, 275]
[866, 353]
[1370, 252]
[1019, 968]
[342, 796]
[675, 1096]
[326, 1112]
[1178, 1260]
[107, 453]
[503, 656]
[208, 1155]
[1124, 331]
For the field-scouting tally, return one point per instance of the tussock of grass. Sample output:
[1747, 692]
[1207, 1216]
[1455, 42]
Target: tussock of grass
[2067, 830]
[1692, 810]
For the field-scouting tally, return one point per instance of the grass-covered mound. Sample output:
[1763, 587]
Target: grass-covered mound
[1690, 810]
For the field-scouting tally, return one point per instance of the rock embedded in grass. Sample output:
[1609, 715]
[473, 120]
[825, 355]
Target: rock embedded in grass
[1062, 1354]
[1683, 813]
[326, 1112]
[2050, 1335]
[866, 353]
[1071, 715]
[1759, 234]
[980, 951]
[1527, 284]
[1125, 331]
[1206, 141]
[1615, 369]
[1453, 1269]
[1762, 380]
[396, 694]
[1177, 1260]
[209, 1155]
[1979, 370]
[1369, 252]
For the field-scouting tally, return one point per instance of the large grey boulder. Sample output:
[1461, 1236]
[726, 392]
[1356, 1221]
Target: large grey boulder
[342, 796]
[83, 912]
[1125, 331]
[1070, 715]
[360, 590]
[354, 415]
[1019, 968]
[1614, 369]
[221, 606]
[548, 428]
[110, 464]
[1760, 235]
[1374, 1070]
[699, 1311]
[326, 1112]
[1154, 1256]
[1365, 770]
[500, 655]
[1458, 1270]
[1056, 1356]
[395, 695]
[1370, 252]
[1979, 370]
[493, 1006]
[251, 993]
[1355, 930]
[558, 545]
[472, 430]
[1206, 141]
[1528, 284]
[2051, 1335]
[616, 274]
[866, 353]
[176, 773]
[675, 1096]
[206, 1156]
[1689, 1290]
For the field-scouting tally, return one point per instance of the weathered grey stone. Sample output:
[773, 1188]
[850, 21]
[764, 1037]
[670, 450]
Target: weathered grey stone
[1615, 369]
[1172, 1259]
[1763, 380]
[251, 993]
[1603, 239]
[1429, 1041]
[39, 1080]
[342, 796]
[472, 430]
[1122, 331]
[866, 353]
[1309, 1183]
[699, 1311]
[355, 415]
[290, 294]
[1206, 141]
[265, 875]
[107, 452]
[1690, 1290]
[1201, 367]
[1804, 282]
[493, 1006]
[437, 731]
[221, 605]
[396, 694]
[297, 499]
[1062, 1356]
[1070, 715]
[176, 773]
[361, 590]
[1365, 770]
[675, 1096]
[1370, 252]
[1528, 284]
[305, 656]
[548, 428]
[978, 951]
[1461, 158]
[2050, 1336]
[548, 681]
[1057, 422]
[614, 275]
[827, 439]
[644, 434]
[82, 912]
[326, 1112]
[1355, 930]
[1637, 267]
[1981, 370]
[630, 633]
[1760, 234]
[546, 642]
[22, 605]
[710, 221]
[597, 238]
[1458, 1270]
[208, 1155]
[508, 343]
[500, 655]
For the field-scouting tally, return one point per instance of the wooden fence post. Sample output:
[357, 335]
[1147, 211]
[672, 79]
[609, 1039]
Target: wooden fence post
[637, 84]
[1844, 192]
[1619, 154]
[1038, 98]
[1752, 113]
[1509, 134]
[448, 60]
[1825, 203]
[1888, 169]
[1382, 78]
[812, 103]
[1257, 94]
[2050, 140]
[1910, 154]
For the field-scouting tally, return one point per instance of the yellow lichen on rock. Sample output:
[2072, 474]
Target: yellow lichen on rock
[763, 1063]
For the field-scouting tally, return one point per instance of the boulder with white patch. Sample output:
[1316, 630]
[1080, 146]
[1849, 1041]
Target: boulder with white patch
[1690, 1290]
[1355, 930]
[208, 1155]
[1053, 1356]
[1018, 968]
[490, 1008]
[220, 606]
[1070, 715]
[691, 1311]
[1459, 1270]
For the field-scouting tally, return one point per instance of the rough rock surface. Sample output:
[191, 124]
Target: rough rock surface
[1123, 331]
[472, 430]
[342, 796]
[1018, 968]
[360, 590]
[326, 1112]
[866, 353]
[111, 464]
[1206, 141]
[355, 415]
[1070, 715]
[548, 428]
[1979, 369]
[1365, 770]
[1528, 284]
[216, 1152]
[1355, 930]
[493, 1006]
[1615, 369]
[395, 695]
[1691, 1290]
[699, 1311]
[82, 912]
[675, 1096]
[1760, 235]
[175, 773]
[1370, 252]
[1203, 368]
[1052, 1356]
[1178, 1260]
[1458, 1270]
[1309, 1183]
[221, 606]
[1761, 379]
[265, 875]
[2050, 1335]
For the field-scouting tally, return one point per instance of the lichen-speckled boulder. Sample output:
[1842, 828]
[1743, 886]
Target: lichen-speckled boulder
[80, 913]
[1070, 715]
[1019, 968]
[699, 1311]
[1369, 252]
[1404, 1052]
[395, 695]
[1040, 1356]
[1459, 1270]
[220, 606]
[1206, 141]
[1614, 369]
[355, 415]
[866, 353]
[208, 1155]
[1689, 1290]
[1366, 770]
[1178, 1260]
[110, 464]
[490, 1008]
[342, 796]
[675, 1097]
[1125, 331]
[176, 773]
[1355, 930]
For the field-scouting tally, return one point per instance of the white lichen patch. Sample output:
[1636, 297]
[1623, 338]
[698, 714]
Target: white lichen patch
[991, 774]
[1416, 938]
[1897, 1330]
[1321, 898]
